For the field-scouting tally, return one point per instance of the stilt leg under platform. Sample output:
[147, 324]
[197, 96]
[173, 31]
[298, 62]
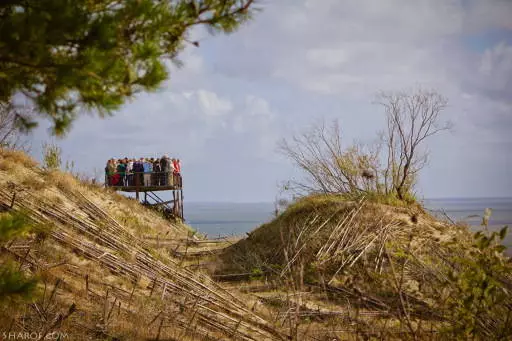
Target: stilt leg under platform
[174, 208]
[181, 205]
[177, 202]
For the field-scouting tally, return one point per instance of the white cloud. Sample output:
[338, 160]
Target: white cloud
[257, 106]
[325, 57]
[188, 94]
[496, 65]
[346, 51]
[212, 104]
[301, 60]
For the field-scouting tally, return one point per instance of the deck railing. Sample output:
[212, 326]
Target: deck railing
[143, 179]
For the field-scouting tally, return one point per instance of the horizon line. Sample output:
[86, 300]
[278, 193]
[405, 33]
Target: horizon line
[272, 202]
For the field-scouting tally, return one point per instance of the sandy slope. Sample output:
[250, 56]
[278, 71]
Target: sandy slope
[96, 263]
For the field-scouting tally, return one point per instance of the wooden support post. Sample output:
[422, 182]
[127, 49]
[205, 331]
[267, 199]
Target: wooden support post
[137, 194]
[178, 204]
[174, 202]
[182, 215]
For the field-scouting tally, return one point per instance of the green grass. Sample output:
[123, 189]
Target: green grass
[390, 199]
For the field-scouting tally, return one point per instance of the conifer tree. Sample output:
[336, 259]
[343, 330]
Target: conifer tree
[75, 56]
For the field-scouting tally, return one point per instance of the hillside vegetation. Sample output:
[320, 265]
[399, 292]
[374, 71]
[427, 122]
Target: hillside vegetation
[318, 220]
[373, 271]
[95, 265]
[99, 274]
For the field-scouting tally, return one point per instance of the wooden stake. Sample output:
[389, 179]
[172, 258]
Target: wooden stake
[159, 329]
[163, 291]
[153, 287]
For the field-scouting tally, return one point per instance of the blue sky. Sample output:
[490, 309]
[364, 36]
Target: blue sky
[301, 61]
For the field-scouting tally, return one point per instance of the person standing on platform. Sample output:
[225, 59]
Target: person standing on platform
[148, 169]
[110, 170]
[115, 176]
[170, 174]
[173, 161]
[134, 173]
[156, 172]
[178, 172]
[138, 172]
[164, 165]
[121, 170]
[129, 172]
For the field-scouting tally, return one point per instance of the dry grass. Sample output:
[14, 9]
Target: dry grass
[18, 157]
[340, 269]
[326, 268]
[7, 165]
[35, 183]
[320, 214]
[112, 282]
[63, 181]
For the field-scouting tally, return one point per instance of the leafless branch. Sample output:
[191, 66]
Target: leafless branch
[328, 166]
[411, 119]
[10, 134]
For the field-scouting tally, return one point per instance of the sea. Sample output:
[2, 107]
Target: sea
[216, 219]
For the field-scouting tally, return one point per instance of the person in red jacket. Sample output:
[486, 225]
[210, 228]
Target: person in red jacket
[177, 172]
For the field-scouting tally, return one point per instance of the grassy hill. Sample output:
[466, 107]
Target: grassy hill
[327, 228]
[100, 274]
[365, 270]
[327, 268]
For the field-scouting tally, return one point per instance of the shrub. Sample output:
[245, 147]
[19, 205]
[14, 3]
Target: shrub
[14, 284]
[52, 156]
[479, 305]
[12, 226]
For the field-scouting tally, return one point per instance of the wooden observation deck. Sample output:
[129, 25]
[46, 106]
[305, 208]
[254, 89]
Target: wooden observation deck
[154, 182]
[145, 188]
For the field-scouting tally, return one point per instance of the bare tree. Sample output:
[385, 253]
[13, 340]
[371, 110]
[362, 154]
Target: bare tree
[329, 167]
[411, 119]
[389, 167]
[10, 117]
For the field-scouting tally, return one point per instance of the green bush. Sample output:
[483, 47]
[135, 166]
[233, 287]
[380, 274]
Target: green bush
[480, 304]
[52, 156]
[14, 284]
[12, 226]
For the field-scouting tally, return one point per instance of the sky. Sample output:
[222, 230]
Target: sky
[303, 61]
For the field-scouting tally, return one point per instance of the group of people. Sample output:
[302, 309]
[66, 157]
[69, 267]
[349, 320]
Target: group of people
[144, 172]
